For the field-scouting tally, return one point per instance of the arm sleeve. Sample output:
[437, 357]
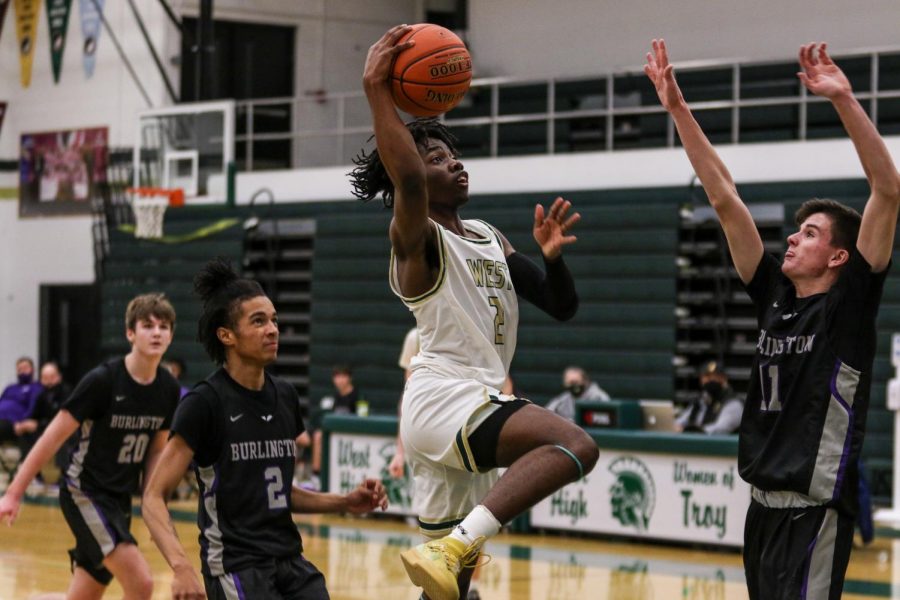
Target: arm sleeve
[92, 395]
[553, 292]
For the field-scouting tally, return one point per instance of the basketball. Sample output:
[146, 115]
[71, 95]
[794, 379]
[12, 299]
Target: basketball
[433, 76]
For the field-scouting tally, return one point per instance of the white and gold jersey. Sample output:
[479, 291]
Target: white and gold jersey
[468, 321]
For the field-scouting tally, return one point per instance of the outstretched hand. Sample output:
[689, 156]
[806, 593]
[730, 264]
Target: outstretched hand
[662, 74]
[369, 495]
[550, 232]
[820, 75]
[381, 55]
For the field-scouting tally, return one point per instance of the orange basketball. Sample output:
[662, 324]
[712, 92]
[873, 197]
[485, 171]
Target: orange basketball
[433, 76]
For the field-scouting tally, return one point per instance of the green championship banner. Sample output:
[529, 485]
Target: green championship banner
[689, 498]
[58, 21]
[26, 32]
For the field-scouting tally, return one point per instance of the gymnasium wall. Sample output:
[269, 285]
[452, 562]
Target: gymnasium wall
[508, 37]
[579, 37]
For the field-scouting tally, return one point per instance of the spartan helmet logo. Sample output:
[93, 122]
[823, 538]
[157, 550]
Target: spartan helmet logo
[633, 495]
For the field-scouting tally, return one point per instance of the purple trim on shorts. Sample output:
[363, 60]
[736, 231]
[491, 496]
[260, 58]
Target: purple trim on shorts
[112, 532]
[238, 587]
[845, 455]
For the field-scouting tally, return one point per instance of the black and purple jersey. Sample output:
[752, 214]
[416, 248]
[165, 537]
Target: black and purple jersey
[119, 418]
[244, 453]
[805, 414]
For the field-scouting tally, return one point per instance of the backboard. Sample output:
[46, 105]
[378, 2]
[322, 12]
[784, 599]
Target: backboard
[183, 146]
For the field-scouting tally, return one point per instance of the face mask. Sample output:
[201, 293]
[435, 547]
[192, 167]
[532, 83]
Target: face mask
[25, 378]
[714, 389]
[576, 389]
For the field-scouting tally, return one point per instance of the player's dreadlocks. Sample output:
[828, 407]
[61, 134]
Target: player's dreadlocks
[370, 178]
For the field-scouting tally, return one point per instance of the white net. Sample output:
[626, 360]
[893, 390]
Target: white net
[149, 211]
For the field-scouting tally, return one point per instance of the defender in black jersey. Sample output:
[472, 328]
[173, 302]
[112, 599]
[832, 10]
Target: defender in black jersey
[239, 427]
[804, 419]
[122, 409]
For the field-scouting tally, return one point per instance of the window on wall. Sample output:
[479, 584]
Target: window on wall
[452, 14]
[251, 61]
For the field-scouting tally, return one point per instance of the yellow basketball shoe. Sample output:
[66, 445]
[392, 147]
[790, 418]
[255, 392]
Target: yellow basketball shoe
[435, 565]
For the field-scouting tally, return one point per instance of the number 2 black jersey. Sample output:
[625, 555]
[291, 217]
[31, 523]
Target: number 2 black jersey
[804, 419]
[244, 451]
[119, 418]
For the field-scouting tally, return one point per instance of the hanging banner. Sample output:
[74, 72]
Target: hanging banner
[26, 30]
[4, 4]
[58, 20]
[59, 171]
[90, 11]
[2, 114]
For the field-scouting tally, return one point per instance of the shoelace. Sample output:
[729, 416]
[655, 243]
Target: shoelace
[469, 559]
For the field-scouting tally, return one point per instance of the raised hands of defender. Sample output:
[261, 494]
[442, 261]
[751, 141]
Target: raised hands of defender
[551, 231]
[369, 495]
[662, 74]
[820, 75]
[9, 509]
[381, 55]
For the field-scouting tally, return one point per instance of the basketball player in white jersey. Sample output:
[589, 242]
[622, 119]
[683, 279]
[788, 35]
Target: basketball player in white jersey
[461, 280]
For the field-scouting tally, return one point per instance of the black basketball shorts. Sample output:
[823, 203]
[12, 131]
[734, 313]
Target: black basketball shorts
[293, 578]
[99, 522]
[796, 553]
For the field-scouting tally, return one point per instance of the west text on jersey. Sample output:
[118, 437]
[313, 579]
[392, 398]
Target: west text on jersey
[793, 344]
[260, 450]
[135, 422]
[489, 273]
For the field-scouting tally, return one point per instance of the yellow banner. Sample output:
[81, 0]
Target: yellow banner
[26, 30]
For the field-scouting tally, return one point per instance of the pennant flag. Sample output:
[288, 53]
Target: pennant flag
[90, 28]
[58, 20]
[4, 4]
[26, 29]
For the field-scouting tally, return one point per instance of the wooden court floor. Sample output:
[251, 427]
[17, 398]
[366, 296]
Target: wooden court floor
[359, 559]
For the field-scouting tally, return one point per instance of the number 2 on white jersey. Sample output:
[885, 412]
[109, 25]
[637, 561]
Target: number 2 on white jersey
[499, 318]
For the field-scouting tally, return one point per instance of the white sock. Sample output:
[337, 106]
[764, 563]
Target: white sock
[479, 523]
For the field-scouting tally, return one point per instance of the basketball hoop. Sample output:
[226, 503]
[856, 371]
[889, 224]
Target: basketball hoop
[149, 207]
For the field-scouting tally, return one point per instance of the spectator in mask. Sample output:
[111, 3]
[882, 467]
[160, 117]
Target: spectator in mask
[718, 409]
[18, 401]
[54, 391]
[578, 386]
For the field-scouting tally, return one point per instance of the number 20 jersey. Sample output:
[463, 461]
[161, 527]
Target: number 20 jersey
[119, 418]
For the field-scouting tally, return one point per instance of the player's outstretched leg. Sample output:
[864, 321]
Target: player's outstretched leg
[542, 453]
